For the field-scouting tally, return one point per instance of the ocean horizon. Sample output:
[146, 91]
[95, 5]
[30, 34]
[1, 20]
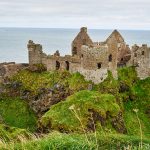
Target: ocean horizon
[13, 41]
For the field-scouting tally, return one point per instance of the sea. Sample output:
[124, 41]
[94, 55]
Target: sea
[13, 41]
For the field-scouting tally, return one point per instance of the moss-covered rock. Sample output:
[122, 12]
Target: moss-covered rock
[122, 95]
[109, 85]
[44, 89]
[33, 81]
[37, 68]
[77, 82]
[74, 113]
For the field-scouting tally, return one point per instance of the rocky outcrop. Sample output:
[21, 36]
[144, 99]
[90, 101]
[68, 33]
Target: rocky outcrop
[46, 98]
[9, 69]
[118, 123]
[40, 102]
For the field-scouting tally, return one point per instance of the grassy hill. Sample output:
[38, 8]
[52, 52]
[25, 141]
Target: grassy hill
[114, 114]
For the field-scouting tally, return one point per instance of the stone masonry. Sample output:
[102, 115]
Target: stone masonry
[94, 59]
[140, 58]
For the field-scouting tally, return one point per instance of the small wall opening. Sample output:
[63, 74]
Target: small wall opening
[84, 41]
[110, 58]
[74, 51]
[99, 65]
[121, 59]
[57, 65]
[135, 55]
[142, 52]
[67, 65]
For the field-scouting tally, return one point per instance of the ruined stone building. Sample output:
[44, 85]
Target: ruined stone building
[94, 59]
[140, 58]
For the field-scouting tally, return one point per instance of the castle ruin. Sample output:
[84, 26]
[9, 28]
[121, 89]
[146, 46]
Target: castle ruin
[94, 59]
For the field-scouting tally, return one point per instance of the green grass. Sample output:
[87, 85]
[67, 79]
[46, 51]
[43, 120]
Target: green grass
[56, 140]
[8, 133]
[109, 85]
[72, 115]
[127, 75]
[77, 82]
[16, 112]
[132, 124]
[61, 115]
[33, 81]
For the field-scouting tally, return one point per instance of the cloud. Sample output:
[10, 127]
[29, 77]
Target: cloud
[123, 14]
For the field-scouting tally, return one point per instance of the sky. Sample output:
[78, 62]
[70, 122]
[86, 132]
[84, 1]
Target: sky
[95, 14]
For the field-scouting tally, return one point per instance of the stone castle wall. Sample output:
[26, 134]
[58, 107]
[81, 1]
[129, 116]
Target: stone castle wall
[140, 58]
[94, 59]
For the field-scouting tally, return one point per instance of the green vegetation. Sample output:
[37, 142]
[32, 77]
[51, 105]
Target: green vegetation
[38, 68]
[33, 81]
[140, 93]
[109, 85]
[77, 82]
[56, 140]
[127, 76]
[62, 115]
[16, 112]
[8, 133]
[81, 113]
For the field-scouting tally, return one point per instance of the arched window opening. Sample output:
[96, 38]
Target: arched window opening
[67, 65]
[57, 65]
[142, 52]
[99, 65]
[110, 58]
[74, 51]
[121, 59]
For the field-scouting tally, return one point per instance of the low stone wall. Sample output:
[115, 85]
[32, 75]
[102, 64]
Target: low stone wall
[96, 76]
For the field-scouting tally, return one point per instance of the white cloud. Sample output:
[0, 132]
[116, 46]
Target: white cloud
[125, 14]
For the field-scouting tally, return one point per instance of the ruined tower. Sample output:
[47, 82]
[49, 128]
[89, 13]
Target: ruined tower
[35, 53]
[119, 52]
[140, 58]
[81, 39]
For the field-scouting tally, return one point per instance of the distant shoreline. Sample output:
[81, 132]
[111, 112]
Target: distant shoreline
[13, 41]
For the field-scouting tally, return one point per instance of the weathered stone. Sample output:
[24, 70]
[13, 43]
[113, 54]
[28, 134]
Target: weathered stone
[81, 39]
[140, 58]
[94, 59]
[46, 98]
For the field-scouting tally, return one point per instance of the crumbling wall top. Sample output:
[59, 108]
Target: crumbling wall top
[118, 37]
[83, 29]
